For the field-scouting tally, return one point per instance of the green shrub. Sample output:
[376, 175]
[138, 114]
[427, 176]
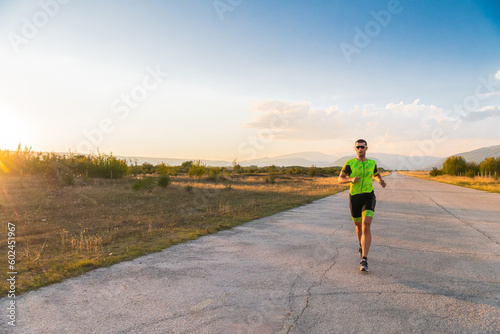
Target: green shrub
[52, 165]
[312, 171]
[161, 169]
[164, 180]
[101, 165]
[197, 169]
[68, 179]
[213, 174]
[185, 166]
[454, 165]
[147, 168]
[295, 171]
[172, 170]
[469, 173]
[252, 169]
[472, 169]
[490, 166]
[146, 184]
[271, 176]
[435, 172]
[236, 167]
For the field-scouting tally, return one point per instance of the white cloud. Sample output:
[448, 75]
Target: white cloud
[490, 93]
[299, 121]
[489, 108]
[483, 113]
[497, 76]
[407, 129]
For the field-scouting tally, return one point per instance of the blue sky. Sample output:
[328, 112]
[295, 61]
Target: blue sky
[246, 79]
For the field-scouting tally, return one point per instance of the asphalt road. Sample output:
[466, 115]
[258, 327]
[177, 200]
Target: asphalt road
[434, 268]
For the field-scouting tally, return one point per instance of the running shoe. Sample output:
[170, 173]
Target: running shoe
[364, 265]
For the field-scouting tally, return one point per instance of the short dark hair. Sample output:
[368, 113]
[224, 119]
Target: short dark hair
[361, 141]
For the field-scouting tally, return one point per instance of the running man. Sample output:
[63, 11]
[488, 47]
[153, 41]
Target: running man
[359, 172]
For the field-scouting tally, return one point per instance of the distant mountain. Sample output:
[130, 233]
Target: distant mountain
[172, 162]
[476, 155]
[307, 159]
[312, 156]
[394, 161]
[283, 162]
[304, 159]
[341, 161]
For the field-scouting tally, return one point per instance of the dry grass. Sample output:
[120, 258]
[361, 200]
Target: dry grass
[479, 183]
[65, 231]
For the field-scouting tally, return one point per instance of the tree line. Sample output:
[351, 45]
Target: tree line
[52, 165]
[458, 166]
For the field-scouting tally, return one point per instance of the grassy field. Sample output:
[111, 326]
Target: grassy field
[62, 231]
[480, 183]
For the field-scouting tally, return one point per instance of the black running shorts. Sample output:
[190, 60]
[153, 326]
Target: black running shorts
[362, 205]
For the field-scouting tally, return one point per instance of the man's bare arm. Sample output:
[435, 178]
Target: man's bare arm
[343, 178]
[379, 180]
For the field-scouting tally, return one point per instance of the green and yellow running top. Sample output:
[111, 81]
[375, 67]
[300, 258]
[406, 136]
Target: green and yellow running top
[365, 170]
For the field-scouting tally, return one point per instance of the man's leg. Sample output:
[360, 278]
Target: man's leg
[366, 234]
[359, 228]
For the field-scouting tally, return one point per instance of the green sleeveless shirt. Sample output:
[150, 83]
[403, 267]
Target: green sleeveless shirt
[365, 170]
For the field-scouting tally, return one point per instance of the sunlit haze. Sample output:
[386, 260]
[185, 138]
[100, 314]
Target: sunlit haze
[249, 78]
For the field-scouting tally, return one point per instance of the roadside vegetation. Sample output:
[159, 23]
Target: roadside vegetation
[457, 171]
[457, 166]
[74, 213]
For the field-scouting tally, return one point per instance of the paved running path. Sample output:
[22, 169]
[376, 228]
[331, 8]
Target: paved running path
[434, 267]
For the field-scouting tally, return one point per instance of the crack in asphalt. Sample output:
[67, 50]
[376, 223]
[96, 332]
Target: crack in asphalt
[309, 294]
[458, 218]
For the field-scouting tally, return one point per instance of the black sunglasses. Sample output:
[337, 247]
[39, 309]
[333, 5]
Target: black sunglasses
[358, 147]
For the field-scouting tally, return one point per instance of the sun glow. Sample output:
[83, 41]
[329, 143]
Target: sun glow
[13, 131]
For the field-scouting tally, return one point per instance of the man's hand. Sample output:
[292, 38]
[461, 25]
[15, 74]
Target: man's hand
[382, 183]
[355, 179]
